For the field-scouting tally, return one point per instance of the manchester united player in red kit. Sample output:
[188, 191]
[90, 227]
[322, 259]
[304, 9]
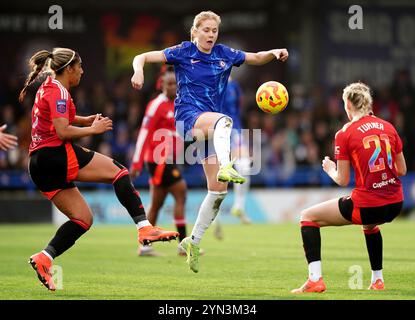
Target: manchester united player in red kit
[56, 162]
[374, 149]
[157, 145]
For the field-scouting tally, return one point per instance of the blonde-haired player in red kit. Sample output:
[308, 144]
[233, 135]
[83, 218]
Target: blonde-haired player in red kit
[56, 162]
[374, 149]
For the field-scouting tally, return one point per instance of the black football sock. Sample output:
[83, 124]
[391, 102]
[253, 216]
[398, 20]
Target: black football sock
[310, 232]
[374, 246]
[128, 196]
[65, 237]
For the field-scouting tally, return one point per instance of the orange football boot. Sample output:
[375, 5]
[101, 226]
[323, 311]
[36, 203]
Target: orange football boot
[149, 234]
[311, 286]
[377, 285]
[42, 265]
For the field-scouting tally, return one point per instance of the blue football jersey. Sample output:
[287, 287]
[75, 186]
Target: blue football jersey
[202, 78]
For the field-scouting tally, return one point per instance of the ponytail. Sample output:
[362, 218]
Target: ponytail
[59, 59]
[36, 63]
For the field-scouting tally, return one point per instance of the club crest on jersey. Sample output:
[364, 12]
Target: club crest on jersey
[61, 106]
[222, 64]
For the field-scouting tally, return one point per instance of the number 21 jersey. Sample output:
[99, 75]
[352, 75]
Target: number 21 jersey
[371, 145]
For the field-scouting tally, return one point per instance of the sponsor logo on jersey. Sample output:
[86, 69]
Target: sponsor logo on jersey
[193, 61]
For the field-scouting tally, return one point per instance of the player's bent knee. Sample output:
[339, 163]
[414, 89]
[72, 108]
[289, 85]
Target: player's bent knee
[225, 122]
[85, 222]
[229, 121]
[123, 172]
[303, 215]
[119, 165]
[306, 215]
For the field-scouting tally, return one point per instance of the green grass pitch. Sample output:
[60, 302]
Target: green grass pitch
[252, 262]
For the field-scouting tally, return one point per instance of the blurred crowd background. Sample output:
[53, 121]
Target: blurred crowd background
[325, 55]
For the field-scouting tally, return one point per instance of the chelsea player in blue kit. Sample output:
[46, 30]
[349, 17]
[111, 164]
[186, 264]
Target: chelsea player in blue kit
[240, 151]
[202, 71]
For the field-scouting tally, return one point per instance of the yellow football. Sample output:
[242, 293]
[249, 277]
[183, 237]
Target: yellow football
[272, 97]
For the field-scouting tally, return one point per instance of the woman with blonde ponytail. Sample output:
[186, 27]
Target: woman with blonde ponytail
[202, 70]
[374, 149]
[56, 162]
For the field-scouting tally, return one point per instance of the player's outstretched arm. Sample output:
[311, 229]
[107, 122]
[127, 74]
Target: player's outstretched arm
[263, 57]
[139, 61]
[341, 174]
